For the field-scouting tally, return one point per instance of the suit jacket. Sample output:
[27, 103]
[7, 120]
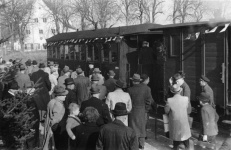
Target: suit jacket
[207, 89]
[117, 136]
[100, 106]
[140, 98]
[186, 92]
[22, 79]
[70, 98]
[179, 129]
[44, 86]
[82, 85]
[86, 137]
[110, 84]
[209, 120]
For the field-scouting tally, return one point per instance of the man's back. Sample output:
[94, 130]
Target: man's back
[22, 79]
[43, 80]
[82, 85]
[117, 136]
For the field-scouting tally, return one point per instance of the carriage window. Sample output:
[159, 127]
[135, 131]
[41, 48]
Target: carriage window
[49, 52]
[96, 53]
[105, 55]
[72, 52]
[114, 52]
[66, 51]
[83, 49]
[54, 52]
[90, 56]
[57, 49]
[62, 52]
[77, 52]
[174, 45]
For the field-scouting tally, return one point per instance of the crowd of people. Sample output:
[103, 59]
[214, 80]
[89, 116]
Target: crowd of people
[75, 111]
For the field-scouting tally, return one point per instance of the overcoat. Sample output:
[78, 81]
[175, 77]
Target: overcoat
[42, 95]
[22, 80]
[177, 110]
[86, 137]
[226, 144]
[136, 118]
[100, 106]
[82, 85]
[61, 80]
[117, 136]
[209, 120]
[207, 89]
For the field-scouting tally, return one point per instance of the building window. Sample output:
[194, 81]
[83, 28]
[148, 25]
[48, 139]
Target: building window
[174, 45]
[25, 46]
[40, 31]
[27, 31]
[44, 19]
[36, 20]
[32, 46]
[53, 31]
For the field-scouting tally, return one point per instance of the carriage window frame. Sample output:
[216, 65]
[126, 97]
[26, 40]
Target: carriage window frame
[173, 52]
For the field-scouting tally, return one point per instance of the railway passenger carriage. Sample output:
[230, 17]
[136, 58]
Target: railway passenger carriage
[191, 47]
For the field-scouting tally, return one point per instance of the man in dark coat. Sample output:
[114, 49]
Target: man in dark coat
[110, 82]
[86, 134]
[140, 99]
[116, 135]
[95, 102]
[71, 96]
[21, 78]
[43, 86]
[82, 85]
[207, 89]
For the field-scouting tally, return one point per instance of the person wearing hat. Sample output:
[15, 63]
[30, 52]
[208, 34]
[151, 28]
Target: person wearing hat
[66, 74]
[21, 78]
[55, 113]
[91, 68]
[53, 80]
[43, 86]
[209, 118]
[178, 117]
[97, 72]
[71, 96]
[103, 90]
[137, 117]
[29, 67]
[34, 67]
[119, 96]
[110, 82]
[207, 89]
[95, 102]
[113, 134]
[82, 86]
[50, 65]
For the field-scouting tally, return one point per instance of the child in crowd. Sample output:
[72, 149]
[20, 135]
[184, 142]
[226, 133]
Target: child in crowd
[72, 120]
[209, 119]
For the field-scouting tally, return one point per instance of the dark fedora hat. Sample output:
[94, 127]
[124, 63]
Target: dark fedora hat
[96, 70]
[178, 76]
[136, 77]
[69, 81]
[94, 89]
[42, 65]
[34, 62]
[111, 73]
[175, 88]
[79, 70]
[119, 83]
[204, 97]
[66, 69]
[204, 78]
[94, 77]
[60, 91]
[22, 67]
[120, 109]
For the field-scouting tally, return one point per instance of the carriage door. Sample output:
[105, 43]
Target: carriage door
[214, 56]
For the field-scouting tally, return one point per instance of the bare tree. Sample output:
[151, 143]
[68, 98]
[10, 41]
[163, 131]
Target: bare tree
[15, 16]
[126, 10]
[99, 13]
